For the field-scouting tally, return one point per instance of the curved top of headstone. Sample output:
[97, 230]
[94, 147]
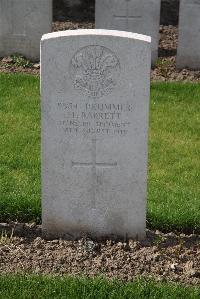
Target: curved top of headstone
[99, 32]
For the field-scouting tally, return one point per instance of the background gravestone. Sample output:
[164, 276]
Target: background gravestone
[22, 24]
[82, 9]
[188, 53]
[95, 106]
[141, 16]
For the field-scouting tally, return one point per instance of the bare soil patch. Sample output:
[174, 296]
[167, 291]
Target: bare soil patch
[168, 257]
[165, 69]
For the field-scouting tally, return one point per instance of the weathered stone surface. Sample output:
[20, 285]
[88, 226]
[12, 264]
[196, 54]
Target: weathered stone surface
[22, 24]
[95, 105]
[140, 16]
[188, 53]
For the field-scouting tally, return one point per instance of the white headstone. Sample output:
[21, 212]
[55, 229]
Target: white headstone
[188, 54]
[95, 105]
[141, 16]
[22, 24]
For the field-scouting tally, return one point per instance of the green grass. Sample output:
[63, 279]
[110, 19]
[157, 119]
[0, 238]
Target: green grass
[20, 148]
[174, 150]
[31, 287]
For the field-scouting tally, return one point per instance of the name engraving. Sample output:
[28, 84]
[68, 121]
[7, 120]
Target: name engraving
[95, 119]
[95, 71]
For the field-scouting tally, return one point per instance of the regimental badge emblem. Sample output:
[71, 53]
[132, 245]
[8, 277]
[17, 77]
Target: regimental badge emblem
[95, 71]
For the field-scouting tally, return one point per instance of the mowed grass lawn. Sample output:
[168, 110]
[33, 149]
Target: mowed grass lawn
[32, 287]
[174, 153]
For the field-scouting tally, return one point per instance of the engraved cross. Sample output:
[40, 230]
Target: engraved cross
[127, 17]
[94, 164]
